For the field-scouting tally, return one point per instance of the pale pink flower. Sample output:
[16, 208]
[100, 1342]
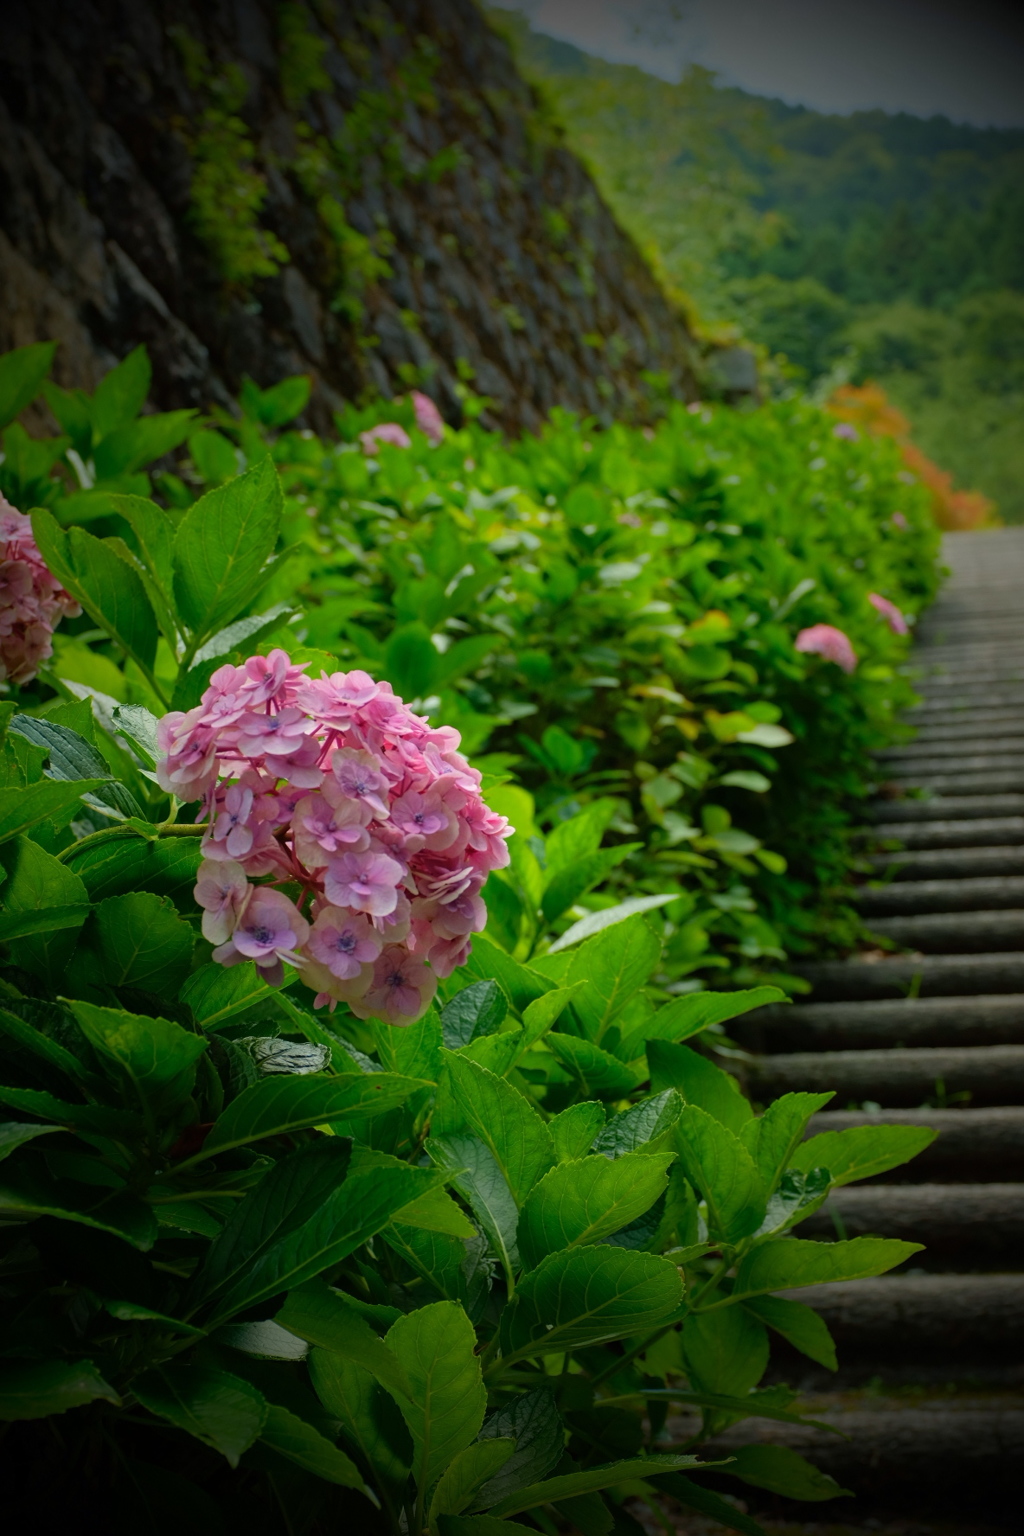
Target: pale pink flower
[358, 776]
[231, 832]
[400, 990]
[367, 882]
[222, 890]
[272, 678]
[890, 613]
[899, 521]
[423, 821]
[845, 429]
[322, 830]
[827, 641]
[273, 735]
[32, 601]
[188, 762]
[270, 930]
[338, 698]
[428, 417]
[343, 942]
[386, 432]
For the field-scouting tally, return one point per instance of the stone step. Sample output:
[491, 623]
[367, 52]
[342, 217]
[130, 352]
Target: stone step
[944, 808]
[884, 1325]
[900, 976]
[971, 863]
[973, 894]
[1000, 831]
[964, 1227]
[949, 703]
[939, 933]
[981, 781]
[951, 1455]
[918, 768]
[951, 750]
[967, 725]
[910, 1022]
[898, 1076]
[973, 1145]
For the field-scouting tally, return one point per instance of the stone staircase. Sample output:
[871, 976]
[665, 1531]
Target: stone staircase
[931, 1385]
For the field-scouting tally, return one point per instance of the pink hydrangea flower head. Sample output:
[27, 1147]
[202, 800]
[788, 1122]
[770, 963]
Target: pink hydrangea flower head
[890, 613]
[428, 417]
[385, 432]
[827, 641]
[370, 820]
[899, 521]
[847, 430]
[32, 600]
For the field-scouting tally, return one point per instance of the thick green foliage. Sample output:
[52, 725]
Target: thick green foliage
[445, 1280]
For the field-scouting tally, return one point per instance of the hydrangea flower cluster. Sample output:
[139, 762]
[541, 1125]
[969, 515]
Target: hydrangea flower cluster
[32, 601]
[369, 817]
[831, 643]
[890, 613]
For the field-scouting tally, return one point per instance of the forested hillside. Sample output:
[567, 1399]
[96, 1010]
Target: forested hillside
[869, 246]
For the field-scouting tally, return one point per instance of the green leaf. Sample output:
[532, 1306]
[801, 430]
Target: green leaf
[15, 1133]
[543, 1012]
[578, 836]
[221, 1410]
[110, 590]
[222, 544]
[567, 885]
[322, 1316]
[24, 808]
[862, 1151]
[22, 372]
[41, 1044]
[445, 1409]
[157, 1058]
[279, 1106]
[609, 917]
[139, 726]
[772, 1139]
[372, 1423]
[121, 393]
[694, 1496]
[725, 1351]
[642, 1125]
[614, 967]
[597, 1072]
[574, 1130]
[508, 1126]
[142, 942]
[48, 1387]
[790, 1262]
[520, 984]
[593, 1479]
[687, 1016]
[29, 1192]
[466, 1474]
[128, 448]
[153, 530]
[534, 1423]
[476, 1011]
[72, 757]
[217, 993]
[436, 1211]
[414, 1050]
[699, 1082]
[84, 1117]
[480, 1525]
[45, 905]
[723, 1170]
[586, 1296]
[473, 1170]
[782, 1470]
[291, 1436]
[350, 1215]
[264, 1340]
[804, 1328]
[581, 1202]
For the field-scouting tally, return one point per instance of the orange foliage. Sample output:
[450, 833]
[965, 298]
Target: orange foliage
[868, 408]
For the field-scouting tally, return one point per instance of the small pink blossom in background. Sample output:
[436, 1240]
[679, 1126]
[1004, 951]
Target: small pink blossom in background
[428, 417]
[386, 432]
[32, 601]
[827, 641]
[890, 613]
[845, 429]
[369, 816]
[899, 521]
[695, 407]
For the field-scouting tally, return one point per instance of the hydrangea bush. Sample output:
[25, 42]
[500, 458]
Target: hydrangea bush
[32, 602]
[334, 789]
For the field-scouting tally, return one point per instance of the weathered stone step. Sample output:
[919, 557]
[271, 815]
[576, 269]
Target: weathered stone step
[938, 933]
[991, 1074]
[973, 1145]
[900, 976]
[919, 769]
[951, 750]
[950, 1455]
[1000, 831]
[900, 1317]
[973, 894]
[966, 725]
[981, 781]
[910, 1022]
[971, 863]
[966, 1227]
[944, 808]
[950, 702]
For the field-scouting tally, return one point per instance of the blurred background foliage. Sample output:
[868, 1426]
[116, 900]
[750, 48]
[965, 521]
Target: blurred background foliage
[872, 247]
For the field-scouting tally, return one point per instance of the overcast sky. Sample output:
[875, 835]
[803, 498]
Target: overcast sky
[965, 60]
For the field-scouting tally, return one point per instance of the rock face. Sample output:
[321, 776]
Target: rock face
[366, 192]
